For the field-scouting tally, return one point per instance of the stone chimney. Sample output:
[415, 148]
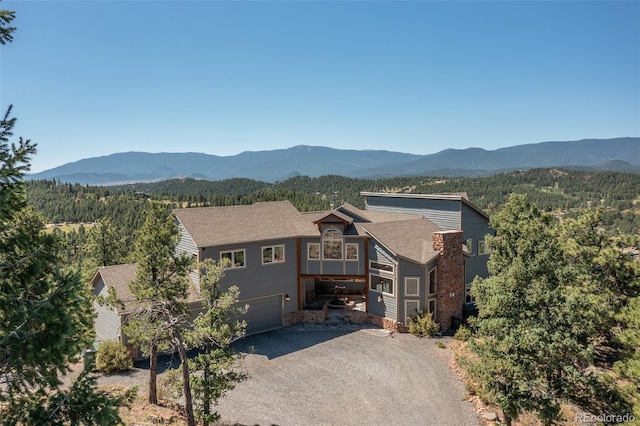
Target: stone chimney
[449, 277]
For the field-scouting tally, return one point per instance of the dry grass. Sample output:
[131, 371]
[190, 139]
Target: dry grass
[66, 227]
[142, 414]
[461, 352]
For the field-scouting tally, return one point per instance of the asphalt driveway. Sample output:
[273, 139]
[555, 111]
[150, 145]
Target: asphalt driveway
[306, 375]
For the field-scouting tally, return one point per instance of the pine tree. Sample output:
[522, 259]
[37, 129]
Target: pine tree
[214, 329]
[104, 246]
[46, 314]
[161, 287]
[535, 327]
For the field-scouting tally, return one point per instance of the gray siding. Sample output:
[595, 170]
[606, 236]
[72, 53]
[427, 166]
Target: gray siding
[476, 266]
[389, 306]
[410, 269]
[107, 321]
[475, 227]
[444, 213]
[186, 243]
[332, 267]
[256, 280]
[379, 254]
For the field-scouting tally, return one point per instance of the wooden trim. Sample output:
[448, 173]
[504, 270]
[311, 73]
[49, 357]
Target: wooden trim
[335, 277]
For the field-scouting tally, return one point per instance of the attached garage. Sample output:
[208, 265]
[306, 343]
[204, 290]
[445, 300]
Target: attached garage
[264, 314]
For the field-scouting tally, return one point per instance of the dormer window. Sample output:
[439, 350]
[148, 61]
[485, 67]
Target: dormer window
[332, 244]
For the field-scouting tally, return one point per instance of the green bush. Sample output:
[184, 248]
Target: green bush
[423, 325]
[463, 333]
[112, 357]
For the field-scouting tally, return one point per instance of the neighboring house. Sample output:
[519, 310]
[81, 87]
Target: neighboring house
[449, 212]
[398, 262]
[110, 319]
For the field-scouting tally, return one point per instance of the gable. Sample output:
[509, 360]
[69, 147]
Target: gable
[395, 236]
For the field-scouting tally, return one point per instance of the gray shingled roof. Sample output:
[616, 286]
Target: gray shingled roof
[407, 235]
[411, 239]
[375, 217]
[118, 277]
[216, 226]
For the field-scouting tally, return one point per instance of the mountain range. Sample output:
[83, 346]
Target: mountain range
[619, 154]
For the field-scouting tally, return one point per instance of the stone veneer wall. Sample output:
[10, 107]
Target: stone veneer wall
[449, 277]
[352, 317]
[315, 317]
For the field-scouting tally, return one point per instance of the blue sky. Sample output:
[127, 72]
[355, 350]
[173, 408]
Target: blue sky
[91, 78]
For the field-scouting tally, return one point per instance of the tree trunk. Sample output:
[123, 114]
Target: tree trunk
[186, 384]
[507, 419]
[153, 374]
[206, 399]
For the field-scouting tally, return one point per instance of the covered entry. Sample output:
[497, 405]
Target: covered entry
[318, 289]
[264, 314]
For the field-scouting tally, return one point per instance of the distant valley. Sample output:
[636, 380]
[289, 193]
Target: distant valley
[619, 154]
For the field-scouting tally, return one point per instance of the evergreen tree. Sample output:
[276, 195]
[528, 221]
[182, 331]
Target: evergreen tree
[161, 287]
[104, 246]
[535, 326]
[46, 314]
[214, 329]
[628, 367]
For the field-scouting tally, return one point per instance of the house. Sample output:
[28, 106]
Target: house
[287, 264]
[450, 212]
[282, 259]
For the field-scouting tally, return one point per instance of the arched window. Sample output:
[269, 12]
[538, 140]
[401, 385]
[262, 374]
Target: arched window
[332, 244]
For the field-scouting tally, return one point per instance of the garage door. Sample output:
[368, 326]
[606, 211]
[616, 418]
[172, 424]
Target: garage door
[264, 314]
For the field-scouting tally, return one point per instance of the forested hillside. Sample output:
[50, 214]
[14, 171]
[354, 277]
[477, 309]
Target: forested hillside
[552, 190]
[565, 193]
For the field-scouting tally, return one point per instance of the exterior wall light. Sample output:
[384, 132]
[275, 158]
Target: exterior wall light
[286, 297]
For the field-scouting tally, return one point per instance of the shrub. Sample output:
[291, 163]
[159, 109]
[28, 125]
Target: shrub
[463, 333]
[423, 325]
[112, 357]
[170, 384]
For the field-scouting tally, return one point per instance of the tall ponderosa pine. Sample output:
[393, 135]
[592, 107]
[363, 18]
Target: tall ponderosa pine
[214, 329]
[46, 313]
[536, 324]
[161, 288]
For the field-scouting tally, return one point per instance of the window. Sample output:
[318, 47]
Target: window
[432, 281]
[411, 309]
[432, 308]
[382, 284]
[468, 298]
[381, 266]
[273, 254]
[313, 250]
[235, 257]
[482, 247]
[412, 286]
[352, 251]
[332, 245]
[469, 244]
